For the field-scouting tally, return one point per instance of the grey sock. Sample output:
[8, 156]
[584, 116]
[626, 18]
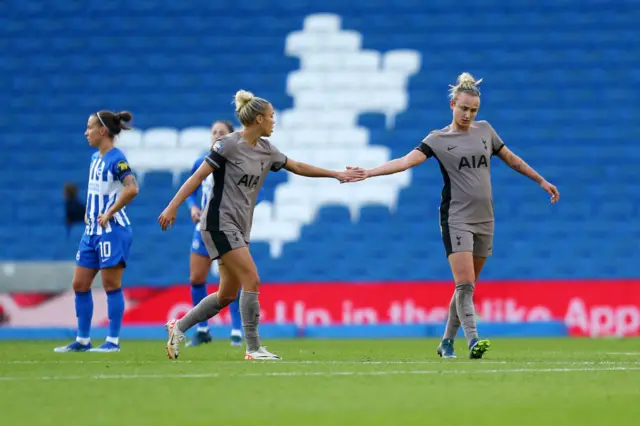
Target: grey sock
[466, 310]
[207, 308]
[453, 322]
[250, 312]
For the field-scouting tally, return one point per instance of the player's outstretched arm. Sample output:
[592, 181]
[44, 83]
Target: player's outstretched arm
[412, 159]
[169, 214]
[519, 165]
[129, 192]
[304, 169]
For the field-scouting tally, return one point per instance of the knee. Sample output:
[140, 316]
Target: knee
[251, 283]
[80, 285]
[226, 299]
[198, 275]
[110, 285]
[464, 277]
[196, 279]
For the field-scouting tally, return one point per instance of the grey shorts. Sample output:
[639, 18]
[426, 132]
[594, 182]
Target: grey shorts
[219, 243]
[476, 238]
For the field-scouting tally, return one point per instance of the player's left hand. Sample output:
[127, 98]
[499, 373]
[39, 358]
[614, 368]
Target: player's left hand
[167, 217]
[353, 174]
[103, 219]
[341, 176]
[551, 190]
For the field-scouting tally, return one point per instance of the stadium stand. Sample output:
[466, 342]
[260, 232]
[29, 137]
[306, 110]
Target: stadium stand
[353, 84]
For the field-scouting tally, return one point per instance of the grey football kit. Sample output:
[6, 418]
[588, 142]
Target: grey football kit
[466, 210]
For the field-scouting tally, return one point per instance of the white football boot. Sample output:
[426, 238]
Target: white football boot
[262, 354]
[175, 337]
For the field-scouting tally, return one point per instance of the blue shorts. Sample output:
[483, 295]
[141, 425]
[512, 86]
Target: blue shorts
[106, 250]
[197, 245]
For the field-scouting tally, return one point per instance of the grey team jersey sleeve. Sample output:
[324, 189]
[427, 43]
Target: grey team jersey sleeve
[496, 141]
[221, 151]
[425, 148]
[278, 159]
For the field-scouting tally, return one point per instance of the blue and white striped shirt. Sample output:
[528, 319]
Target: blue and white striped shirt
[105, 185]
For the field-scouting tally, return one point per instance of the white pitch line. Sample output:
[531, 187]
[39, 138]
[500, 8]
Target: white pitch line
[311, 362]
[481, 362]
[425, 372]
[620, 353]
[113, 377]
[315, 373]
[589, 353]
[104, 361]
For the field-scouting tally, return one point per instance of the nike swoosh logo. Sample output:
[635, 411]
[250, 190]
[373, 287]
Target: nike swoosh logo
[449, 148]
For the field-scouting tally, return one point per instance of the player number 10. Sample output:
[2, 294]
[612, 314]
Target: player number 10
[105, 249]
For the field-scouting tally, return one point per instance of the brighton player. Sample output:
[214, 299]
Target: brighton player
[105, 245]
[239, 162]
[199, 262]
[463, 150]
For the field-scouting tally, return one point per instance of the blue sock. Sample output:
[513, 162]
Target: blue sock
[199, 292]
[115, 307]
[84, 313]
[236, 319]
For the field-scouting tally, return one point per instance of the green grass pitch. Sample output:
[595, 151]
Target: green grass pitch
[325, 382]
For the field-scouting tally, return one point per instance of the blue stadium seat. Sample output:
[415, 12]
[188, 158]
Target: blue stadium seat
[551, 99]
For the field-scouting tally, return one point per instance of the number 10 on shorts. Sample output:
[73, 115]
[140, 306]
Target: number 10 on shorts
[105, 249]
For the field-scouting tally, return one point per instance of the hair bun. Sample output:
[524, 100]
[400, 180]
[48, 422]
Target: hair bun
[124, 116]
[466, 79]
[242, 98]
[465, 83]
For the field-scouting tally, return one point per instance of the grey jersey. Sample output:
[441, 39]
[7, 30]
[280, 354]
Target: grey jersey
[464, 159]
[240, 170]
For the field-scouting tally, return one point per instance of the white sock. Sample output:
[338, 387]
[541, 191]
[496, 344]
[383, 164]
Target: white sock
[236, 332]
[113, 340]
[202, 329]
[83, 340]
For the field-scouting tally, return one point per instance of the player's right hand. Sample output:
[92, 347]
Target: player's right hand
[354, 174]
[167, 218]
[195, 214]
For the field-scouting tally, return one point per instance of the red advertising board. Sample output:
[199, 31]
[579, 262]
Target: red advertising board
[588, 307]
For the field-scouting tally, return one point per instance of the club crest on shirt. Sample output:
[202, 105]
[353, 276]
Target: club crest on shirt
[217, 146]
